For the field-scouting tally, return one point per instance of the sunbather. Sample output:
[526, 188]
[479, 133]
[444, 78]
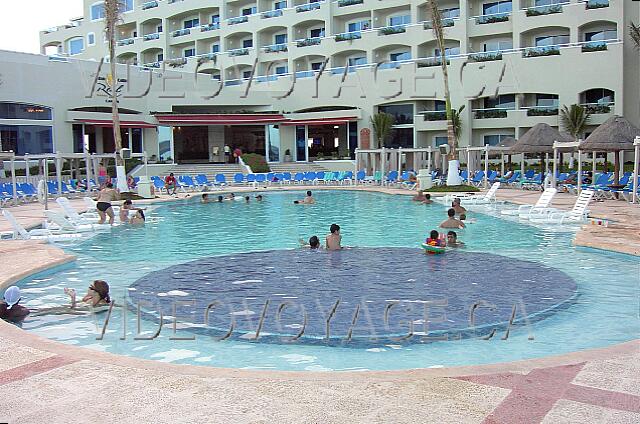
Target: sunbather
[452, 222]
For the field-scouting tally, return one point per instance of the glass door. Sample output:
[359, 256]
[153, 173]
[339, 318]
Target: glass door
[301, 143]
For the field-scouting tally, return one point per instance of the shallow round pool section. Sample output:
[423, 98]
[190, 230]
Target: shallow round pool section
[514, 291]
[359, 297]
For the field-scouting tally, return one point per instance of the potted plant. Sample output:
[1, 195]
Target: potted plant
[287, 155]
[153, 159]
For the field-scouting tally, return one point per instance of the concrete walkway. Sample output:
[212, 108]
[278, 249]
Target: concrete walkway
[45, 381]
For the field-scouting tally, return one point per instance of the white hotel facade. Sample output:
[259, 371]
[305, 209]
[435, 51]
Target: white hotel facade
[299, 80]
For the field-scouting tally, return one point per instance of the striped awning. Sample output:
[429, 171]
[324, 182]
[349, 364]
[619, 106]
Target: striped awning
[321, 121]
[226, 119]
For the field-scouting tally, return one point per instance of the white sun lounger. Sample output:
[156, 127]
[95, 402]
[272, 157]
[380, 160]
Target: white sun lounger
[74, 216]
[20, 233]
[58, 222]
[481, 199]
[576, 215]
[543, 202]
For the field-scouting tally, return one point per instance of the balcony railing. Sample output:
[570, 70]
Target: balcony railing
[396, 29]
[435, 115]
[492, 19]
[597, 4]
[343, 3]
[491, 113]
[541, 51]
[485, 56]
[126, 42]
[181, 32]
[275, 48]
[541, 110]
[210, 27]
[446, 22]
[544, 10]
[271, 14]
[149, 5]
[238, 52]
[598, 108]
[594, 46]
[154, 36]
[354, 35]
[237, 20]
[307, 7]
[430, 62]
[313, 41]
[152, 65]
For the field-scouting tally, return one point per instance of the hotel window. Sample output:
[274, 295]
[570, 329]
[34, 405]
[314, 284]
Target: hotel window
[599, 96]
[316, 32]
[358, 26]
[552, 40]
[280, 38]
[605, 34]
[494, 46]
[281, 70]
[159, 28]
[136, 140]
[547, 100]
[495, 139]
[449, 51]
[399, 20]
[76, 45]
[215, 48]
[439, 105]
[32, 139]
[403, 114]
[496, 7]
[191, 23]
[280, 5]
[249, 11]
[450, 13]
[440, 140]
[504, 101]
[215, 77]
[315, 66]
[160, 57]
[97, 11]
[126, 5]
[24, 111]
[215, 19]
[246, 74]
[394, 57]
[91, 39]
[357, 61]
[247, 43]
[549, 2]
[189, 52]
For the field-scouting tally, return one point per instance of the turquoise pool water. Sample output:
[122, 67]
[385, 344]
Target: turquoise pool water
[604, 310]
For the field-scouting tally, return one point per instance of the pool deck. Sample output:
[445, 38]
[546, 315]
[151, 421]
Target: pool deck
[43, 380]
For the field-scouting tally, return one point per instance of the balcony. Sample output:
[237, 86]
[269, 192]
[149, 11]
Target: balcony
[435, 115]
[275, 48]
[152, 65]
[598, 108]
[490, 113]
[541, 110]
[237, 20]
[541, 51]
[485, 56]
[544, 10]
[492, 19]
[126, 42]
[307, 7]
[430, 62]
[594, 46]
[447, 22]
[343, 3]
[176, 63]
[149, 5]
[271, 14]
[181, 32]
[313, 41]
[238, 52]
[397, 29]
[154, 36]
[346, 36]
[597, 4]
[210, 27]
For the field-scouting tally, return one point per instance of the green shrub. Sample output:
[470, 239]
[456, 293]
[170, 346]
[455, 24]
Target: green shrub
[257, 163]
[454, 189]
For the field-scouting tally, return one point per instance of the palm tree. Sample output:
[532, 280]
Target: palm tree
[382, 123]
[112, 10]
[634, 31]
[574, 120]
[457, 121]
[438, 31]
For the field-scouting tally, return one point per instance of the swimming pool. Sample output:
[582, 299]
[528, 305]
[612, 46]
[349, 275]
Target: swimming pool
[237, 259]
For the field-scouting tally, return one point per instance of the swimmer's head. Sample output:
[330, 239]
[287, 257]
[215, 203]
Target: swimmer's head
[451, 212]
[427, 196]
[334, 228]
[314, 242]
[309, 193]
[452, 237]
[220, 198]
[128, 202]
[434, 234]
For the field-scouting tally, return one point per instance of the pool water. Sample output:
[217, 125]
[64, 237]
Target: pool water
[165, 265]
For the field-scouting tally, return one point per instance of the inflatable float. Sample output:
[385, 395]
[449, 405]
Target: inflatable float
[433, 249]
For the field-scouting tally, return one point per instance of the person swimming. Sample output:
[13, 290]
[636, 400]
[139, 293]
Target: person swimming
[138, 218]
[452, 240]
[334, 239]
[205, 198]
[97, 297]
[435, 240]
[457, 206]
[452, 222]
[308, 200]
[314, 243]
[10, 310]
[427, 199]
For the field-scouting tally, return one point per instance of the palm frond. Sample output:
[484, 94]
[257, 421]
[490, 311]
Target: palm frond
[382, 124]
[634, 32]
[574, 119]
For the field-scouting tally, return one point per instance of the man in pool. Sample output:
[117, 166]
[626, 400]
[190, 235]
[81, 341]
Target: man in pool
[309, 200]
[419, 197]
[457, 206]
[107, 195]
[9, 308]
[205, 198]
[427, 199]
[452, 222]
[333, 239]
[452, 240]
[314, 243]
[247, 199]
[259, 197]
[230, 196]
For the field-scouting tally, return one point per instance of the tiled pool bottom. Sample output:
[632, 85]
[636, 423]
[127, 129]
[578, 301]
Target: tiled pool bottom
[360, 297]
[603, 313]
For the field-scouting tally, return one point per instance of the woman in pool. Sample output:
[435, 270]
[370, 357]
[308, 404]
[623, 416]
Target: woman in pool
[97, 296]
[138, 218]
[105, 197]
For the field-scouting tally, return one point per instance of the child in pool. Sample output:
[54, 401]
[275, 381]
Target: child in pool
[434, 239]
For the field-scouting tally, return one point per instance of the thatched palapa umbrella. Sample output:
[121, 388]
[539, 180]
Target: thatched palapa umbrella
[616, 134]
[539, 139]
